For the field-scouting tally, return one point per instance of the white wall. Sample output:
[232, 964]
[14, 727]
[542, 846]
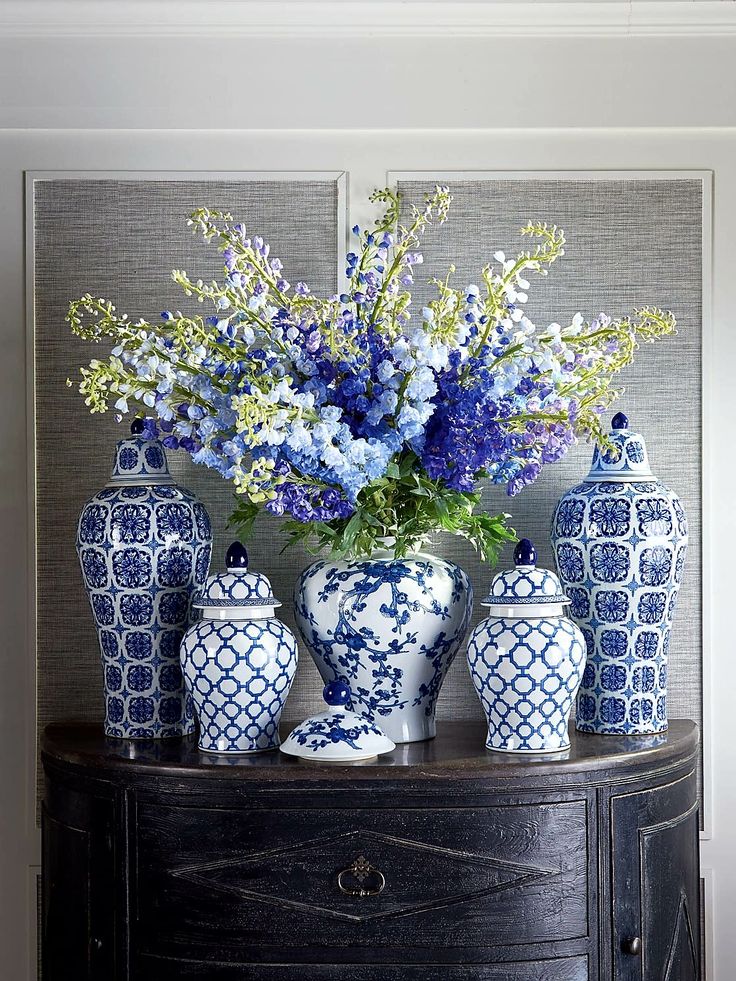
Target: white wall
[148, 99]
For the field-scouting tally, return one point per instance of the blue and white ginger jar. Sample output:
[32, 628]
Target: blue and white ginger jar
[526, 660]
[238, 660]
[620, 539]
[337, 736]
[389, 628]
[144, 545]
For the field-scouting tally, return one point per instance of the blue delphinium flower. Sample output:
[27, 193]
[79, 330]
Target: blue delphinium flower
[350, 412]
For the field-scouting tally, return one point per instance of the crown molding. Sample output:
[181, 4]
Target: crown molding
[365, 18]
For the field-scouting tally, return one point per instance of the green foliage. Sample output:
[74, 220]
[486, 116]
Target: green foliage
[403, 508]
[244, 517]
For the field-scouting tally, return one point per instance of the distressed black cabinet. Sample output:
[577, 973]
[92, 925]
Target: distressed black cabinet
[161, 863]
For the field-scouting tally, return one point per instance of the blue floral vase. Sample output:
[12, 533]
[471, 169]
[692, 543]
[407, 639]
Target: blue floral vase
[144, 544]
[389, 628]
[238, 660]
[526, 659]
[620, 539]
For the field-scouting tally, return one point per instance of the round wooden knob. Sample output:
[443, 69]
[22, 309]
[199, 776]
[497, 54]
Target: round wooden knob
[632, 946]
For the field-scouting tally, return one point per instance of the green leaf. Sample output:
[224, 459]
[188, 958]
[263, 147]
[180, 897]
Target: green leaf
[243, 517]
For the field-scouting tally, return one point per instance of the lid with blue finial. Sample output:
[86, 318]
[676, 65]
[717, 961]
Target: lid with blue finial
[236, 594]
[624, 459]
[141, 458]
[526, 590]
[339, 735]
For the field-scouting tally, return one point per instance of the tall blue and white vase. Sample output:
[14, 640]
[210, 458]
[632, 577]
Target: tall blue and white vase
[526, 659]
[239, 660]
[389, 628]
[144, 545]
[620, 539]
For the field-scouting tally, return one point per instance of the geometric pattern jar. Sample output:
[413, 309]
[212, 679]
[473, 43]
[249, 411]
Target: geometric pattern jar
[144, 545]
[526, 659]
[238, 661]
[620, 539]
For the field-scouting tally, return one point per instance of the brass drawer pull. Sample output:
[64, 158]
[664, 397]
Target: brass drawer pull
[366, 880]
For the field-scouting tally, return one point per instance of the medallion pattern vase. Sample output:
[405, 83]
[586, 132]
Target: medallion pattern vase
[144, 544]
[238, 660]
[620, 539]
[526, 659]
[389, 628]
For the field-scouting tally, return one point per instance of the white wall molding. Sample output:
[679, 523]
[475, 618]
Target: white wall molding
[374, 18]
[708, 954]
[365, 157]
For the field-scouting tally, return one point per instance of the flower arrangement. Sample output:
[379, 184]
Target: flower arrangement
[350, 415]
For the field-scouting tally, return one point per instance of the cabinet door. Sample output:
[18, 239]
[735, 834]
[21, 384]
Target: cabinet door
[78, 894]
[656, 884]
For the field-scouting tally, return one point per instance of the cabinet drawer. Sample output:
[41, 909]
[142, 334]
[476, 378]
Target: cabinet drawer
[558, 969]
[229, 881]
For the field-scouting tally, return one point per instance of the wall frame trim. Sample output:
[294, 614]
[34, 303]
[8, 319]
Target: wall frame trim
[330, 18]
[707, 456]
[338, 177]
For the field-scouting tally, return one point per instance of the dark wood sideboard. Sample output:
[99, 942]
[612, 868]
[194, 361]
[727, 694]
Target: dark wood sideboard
[162, 863]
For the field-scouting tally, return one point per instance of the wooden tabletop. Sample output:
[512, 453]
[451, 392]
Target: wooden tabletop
[458, 751]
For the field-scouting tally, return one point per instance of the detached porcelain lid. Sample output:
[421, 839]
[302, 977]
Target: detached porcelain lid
[526, 590]
[237, 591]
[140, 459]
[625, 460]
[338, 736]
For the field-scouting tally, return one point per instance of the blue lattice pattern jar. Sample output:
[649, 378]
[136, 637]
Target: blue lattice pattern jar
[526, 659]
[620, 539]
[239, 660]
[144, 545]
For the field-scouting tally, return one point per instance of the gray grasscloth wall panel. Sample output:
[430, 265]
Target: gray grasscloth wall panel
[629, 243]
[120, 240]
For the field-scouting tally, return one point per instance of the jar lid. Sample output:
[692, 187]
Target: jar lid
[236, 591]
[141, 459]
[526, 590]
[626, 458]
[337, 736]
